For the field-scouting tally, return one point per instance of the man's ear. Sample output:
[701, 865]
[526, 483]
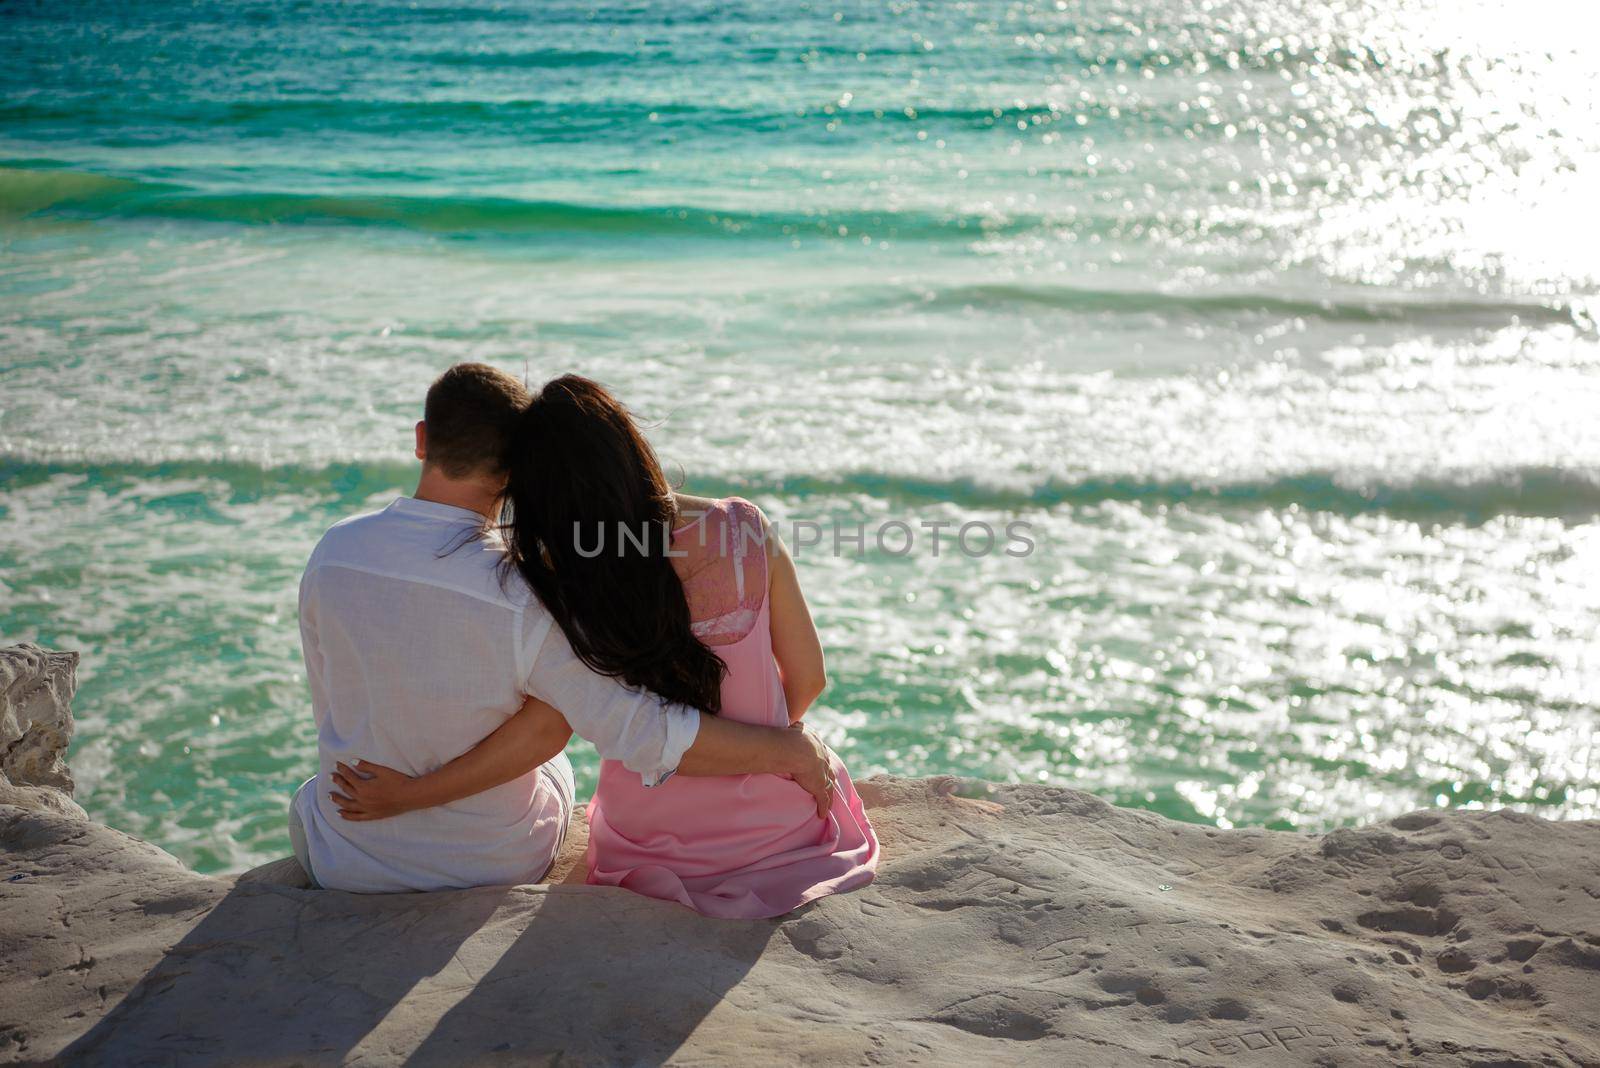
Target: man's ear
[422, 440]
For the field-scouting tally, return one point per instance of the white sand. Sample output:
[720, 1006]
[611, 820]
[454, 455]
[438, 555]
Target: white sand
[1036, 926]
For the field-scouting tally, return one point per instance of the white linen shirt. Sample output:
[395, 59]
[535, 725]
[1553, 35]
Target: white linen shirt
[418, 645]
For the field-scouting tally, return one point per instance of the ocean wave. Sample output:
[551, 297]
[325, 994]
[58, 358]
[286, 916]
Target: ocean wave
[81, 195]
[1534, 491]
[344, 484]
[1420, 310]
[50, 191]
[562, 120]
[1551, 492]
[535, 59]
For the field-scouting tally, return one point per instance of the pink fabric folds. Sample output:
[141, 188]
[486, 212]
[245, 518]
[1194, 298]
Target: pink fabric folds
[743, 846]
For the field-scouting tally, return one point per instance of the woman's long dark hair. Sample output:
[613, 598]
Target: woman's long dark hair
[580, 471]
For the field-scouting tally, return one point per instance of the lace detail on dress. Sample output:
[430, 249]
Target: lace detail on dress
[724, 569]
[726, 629]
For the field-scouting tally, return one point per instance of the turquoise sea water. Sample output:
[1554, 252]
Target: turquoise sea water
[1276, 321]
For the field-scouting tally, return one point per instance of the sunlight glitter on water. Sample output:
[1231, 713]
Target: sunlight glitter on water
[1276, 321]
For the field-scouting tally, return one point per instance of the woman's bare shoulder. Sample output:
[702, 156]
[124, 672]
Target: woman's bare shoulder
[728, 512]
[689, 504]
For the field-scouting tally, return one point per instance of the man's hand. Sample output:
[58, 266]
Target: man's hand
[727, 747]
[373, 792]
[813, 768]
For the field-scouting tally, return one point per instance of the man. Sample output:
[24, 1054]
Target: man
[418, 644]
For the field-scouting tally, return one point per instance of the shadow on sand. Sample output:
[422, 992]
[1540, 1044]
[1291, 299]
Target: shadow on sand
[601, 976]
[278, 974]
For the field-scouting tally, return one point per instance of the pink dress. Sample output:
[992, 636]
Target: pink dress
[739, 846]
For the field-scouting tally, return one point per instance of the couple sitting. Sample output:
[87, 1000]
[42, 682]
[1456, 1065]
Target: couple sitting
[451, 657]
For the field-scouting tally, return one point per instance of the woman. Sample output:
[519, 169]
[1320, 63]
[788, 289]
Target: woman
[698, 601]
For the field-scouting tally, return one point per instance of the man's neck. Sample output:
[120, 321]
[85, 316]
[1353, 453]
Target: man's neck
[470, 494]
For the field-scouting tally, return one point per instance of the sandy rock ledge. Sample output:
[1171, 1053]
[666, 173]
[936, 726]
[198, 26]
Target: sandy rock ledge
[1009, 924]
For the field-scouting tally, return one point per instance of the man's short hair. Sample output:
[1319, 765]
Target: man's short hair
[470, 415]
